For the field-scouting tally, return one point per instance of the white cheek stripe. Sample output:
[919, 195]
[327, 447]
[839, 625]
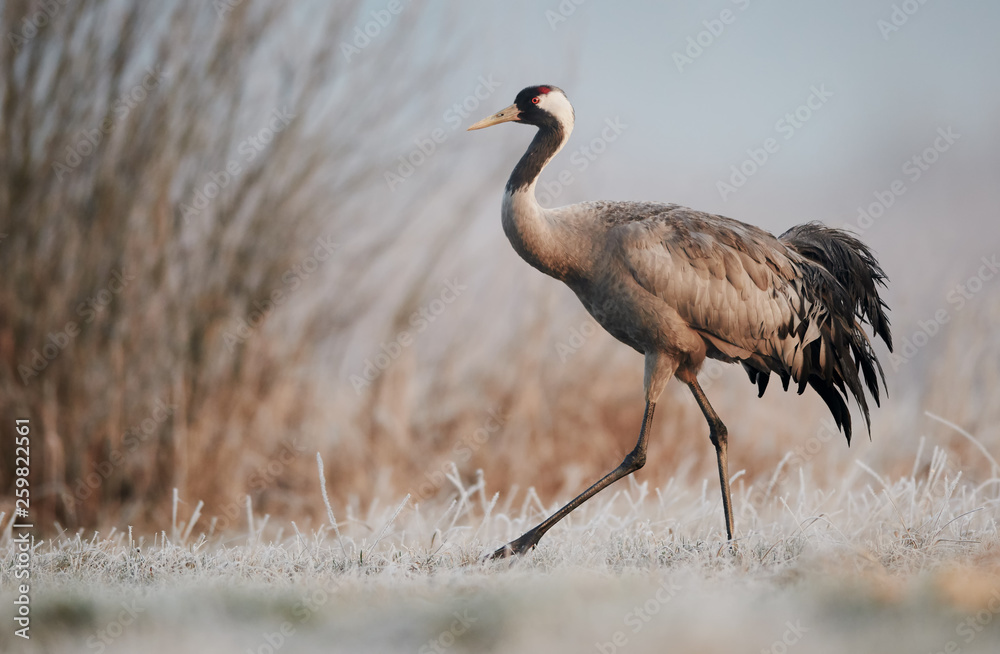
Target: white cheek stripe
[558, 105]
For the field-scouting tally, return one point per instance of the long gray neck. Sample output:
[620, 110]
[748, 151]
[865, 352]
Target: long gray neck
[547, 142]
[541, 236]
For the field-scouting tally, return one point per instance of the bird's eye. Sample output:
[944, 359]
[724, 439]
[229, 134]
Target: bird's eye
[536, 99]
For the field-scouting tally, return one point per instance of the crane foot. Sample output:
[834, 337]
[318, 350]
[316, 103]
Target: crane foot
[517, 547]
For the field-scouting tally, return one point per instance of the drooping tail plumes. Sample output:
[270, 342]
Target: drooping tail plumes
[844, 280]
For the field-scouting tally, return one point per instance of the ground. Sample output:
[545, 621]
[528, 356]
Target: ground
[911, 565]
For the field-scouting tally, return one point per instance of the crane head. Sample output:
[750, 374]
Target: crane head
[543, 106]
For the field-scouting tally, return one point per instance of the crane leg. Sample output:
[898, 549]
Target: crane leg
[632, 462]
[720, 439]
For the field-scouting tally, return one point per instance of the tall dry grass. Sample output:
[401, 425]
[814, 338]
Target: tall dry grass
[139, 329]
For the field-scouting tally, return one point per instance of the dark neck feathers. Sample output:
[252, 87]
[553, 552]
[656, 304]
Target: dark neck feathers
[543, 147]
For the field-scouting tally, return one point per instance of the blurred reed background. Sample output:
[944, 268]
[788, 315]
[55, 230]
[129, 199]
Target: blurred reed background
[234, 234]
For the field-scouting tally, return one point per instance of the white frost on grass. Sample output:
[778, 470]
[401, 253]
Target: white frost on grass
[874, 564]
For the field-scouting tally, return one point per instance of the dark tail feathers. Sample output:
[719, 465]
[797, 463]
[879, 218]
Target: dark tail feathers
[845, 281]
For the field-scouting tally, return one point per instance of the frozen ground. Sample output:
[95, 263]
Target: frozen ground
[905, 565]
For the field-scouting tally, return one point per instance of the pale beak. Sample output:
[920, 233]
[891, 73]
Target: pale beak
[502, 116]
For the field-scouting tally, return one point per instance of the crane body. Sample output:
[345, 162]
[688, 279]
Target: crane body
[680, 286]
